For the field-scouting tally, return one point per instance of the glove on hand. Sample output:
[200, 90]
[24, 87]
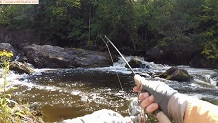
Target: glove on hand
[161, 91]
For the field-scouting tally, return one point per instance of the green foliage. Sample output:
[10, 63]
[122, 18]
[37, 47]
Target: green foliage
[211, 49]
[90, 43]
[138, 24]
[10, 111]
[209, 28]
[115, 18]
[5, 110]
[15, 16]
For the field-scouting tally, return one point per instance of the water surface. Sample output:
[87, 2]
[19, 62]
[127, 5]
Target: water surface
[69, 93]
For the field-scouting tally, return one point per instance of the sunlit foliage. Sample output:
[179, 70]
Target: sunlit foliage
[137, 24]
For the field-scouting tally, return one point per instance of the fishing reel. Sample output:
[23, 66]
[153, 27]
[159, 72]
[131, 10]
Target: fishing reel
[136, 113]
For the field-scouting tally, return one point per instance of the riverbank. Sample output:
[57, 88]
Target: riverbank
[30, 45]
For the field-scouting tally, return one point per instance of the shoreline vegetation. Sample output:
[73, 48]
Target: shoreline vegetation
[175, 32]
[167, 31]
[10, 110]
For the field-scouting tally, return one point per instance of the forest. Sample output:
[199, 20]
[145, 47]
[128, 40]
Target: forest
[138, 25]
[170, 32]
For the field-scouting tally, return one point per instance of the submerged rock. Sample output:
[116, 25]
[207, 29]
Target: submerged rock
[174, 73]
[214, 77]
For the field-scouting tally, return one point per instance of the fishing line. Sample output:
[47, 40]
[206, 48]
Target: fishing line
[143, 117]
[120, 54]
[113, 62]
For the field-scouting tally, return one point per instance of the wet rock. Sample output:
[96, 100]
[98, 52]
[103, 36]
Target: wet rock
[214, 77]
[174, 73]
[145, 66]
[47, 56]
[134, 63]
[21, 68]
[21, 58]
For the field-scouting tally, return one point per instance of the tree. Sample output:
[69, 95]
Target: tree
[14, 16]
[115, 18]
[209, 26]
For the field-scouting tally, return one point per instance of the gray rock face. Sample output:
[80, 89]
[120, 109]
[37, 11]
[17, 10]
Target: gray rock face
[8, 47]
[47, 56]
[171, 54]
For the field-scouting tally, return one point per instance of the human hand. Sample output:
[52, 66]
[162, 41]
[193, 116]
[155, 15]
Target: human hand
[159, 91]
[147, 101]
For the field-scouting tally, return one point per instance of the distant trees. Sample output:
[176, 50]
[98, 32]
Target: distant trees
[209, 29]
[137, 24]
[115, 18]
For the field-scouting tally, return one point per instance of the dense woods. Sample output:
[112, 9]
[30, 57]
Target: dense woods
[132, 24]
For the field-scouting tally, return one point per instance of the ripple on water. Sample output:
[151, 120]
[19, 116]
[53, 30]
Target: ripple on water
[76, 92]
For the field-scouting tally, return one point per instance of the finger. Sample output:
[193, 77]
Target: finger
[143, 96]
[146, 102]
[136, 89]
[152, 107]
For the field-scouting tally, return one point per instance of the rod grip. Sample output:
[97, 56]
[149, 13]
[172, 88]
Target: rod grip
[137, 79]
[160, 115]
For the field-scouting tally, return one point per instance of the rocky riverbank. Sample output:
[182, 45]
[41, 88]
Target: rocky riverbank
[47, 56]
[42, 53]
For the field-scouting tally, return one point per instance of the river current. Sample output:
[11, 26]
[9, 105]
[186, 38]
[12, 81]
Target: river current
[69, 93]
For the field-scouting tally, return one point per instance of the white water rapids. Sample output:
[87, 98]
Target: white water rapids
[75, 92]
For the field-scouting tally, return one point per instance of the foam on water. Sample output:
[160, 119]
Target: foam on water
[50, 86]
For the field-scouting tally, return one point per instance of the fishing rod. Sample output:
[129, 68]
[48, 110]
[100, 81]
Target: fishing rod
[118, 52]
[136, 104]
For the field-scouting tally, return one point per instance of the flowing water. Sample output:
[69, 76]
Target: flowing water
[69, 93]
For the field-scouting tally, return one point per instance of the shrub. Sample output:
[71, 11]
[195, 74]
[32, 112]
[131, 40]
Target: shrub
[11, 111]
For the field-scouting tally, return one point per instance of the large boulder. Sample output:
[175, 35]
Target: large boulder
[174, 73]
[171, 54]
[8, 47]
[47, 56]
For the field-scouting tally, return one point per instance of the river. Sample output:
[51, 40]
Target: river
[69, 93]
